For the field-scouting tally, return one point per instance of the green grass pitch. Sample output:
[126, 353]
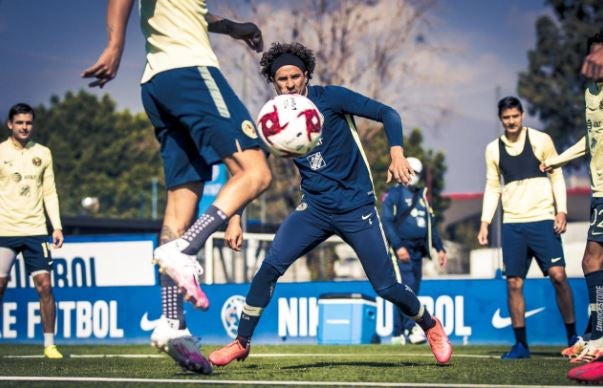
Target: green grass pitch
[284, 365]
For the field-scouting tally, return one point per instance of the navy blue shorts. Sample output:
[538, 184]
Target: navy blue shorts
[35, 250]
[198, 120]
[595, 231]
[522, 241]
[307, 227]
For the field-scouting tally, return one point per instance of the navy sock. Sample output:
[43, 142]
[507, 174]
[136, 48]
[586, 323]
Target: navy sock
[570, 331]
[248, 323]
[405, 299]
[171, 301]
[521, 336]
[589, 328]
[243, 341]
[426, 321]
[258, 297]
[200, 231]
[594, 283]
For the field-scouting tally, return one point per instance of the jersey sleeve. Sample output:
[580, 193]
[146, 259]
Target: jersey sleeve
[556, 176]
[51, 198]
[493, 188]
[348, 101]
[574, 152]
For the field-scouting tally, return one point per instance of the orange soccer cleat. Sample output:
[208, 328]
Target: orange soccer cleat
[575, 349]
[439, 343]
[229, 353]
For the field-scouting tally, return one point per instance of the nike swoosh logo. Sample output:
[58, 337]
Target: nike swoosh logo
[499, 322]
[148, 325]
[367, 216]
[556, 259]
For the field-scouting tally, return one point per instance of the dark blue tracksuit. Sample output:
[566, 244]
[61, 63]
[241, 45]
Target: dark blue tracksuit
[338, 198]
[405, 215]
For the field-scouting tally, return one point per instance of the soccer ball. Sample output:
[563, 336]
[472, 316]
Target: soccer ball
[290, 125]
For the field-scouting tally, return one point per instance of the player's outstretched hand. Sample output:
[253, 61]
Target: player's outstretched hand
[105, 68]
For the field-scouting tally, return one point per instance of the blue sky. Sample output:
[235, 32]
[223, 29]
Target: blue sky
[46, 44]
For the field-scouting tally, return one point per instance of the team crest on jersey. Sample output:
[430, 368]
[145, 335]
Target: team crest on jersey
[301, 207]
[24, 191]
[316, 161]
[36, 161]
[248, 129]
[16, 177]
[231, 311]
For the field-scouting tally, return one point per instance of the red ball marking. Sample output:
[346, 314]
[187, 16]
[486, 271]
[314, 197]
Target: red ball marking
[312, 122]
[270, 124]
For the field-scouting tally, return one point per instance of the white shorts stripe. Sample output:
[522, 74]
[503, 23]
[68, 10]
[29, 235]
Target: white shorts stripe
[214, 91]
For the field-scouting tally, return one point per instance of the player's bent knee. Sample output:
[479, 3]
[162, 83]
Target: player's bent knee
[263, 182]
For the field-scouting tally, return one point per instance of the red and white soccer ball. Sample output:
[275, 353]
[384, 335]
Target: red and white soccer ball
[290, 125]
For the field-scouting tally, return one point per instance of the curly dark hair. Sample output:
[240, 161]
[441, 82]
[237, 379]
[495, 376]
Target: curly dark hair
[595, 39]
[295, 48]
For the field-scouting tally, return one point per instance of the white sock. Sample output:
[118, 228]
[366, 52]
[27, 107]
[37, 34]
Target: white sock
[173, 323]
[48, 339]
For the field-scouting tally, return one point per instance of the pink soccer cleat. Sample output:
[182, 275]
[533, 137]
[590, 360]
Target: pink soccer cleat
[439, 343]
[184, 270]
[229, 353]
[186, 351]
[591, 373]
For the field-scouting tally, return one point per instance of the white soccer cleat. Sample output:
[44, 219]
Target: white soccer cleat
[163, 333]
[417, 335]
[593, 351]
[398, 340]
[184, 270]
[186, 351]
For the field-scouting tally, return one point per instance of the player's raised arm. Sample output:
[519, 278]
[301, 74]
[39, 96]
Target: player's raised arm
[248, 32]
[105, 68]
[574, 152]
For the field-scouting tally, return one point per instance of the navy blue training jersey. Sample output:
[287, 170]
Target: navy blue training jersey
[335, 174]
[403, 224]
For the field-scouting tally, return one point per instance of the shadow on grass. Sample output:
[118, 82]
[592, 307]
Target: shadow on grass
[363, 365]
[552, 354]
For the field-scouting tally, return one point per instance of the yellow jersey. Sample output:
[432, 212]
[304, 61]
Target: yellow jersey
[176, 35]
[591, 143]
[27, 189]
[526, 200]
